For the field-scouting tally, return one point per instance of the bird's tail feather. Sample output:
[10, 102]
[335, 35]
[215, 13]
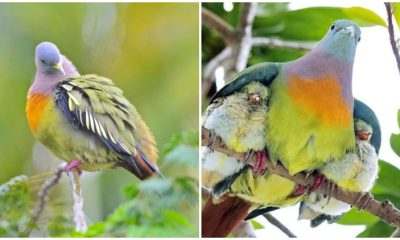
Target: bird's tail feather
[218, 220]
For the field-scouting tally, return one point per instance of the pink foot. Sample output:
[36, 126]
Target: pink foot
[300, 190]
[259, 167]
[317, 183]
[72, 165]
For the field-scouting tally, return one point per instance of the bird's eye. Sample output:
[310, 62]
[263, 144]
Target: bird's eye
[359, 39]
[333, 27]
[42, 61]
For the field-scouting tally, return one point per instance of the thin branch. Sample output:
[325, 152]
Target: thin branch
[242, 46]
[271, 219]
[209, 70]
[79, 215]
[384, 210]
[244, 230]
[396, 233]
[277, 43]
[43, 198]
[391, 34]
[218, 24]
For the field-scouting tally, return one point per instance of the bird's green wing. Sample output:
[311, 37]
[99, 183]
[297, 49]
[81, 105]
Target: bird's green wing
[262, 72]
[366, 114]
[96, 106]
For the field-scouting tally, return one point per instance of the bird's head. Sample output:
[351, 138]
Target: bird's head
[342, 39]
[48, 59]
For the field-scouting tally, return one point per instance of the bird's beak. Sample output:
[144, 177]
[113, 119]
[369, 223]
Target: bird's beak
[349, 29]
[59, 67]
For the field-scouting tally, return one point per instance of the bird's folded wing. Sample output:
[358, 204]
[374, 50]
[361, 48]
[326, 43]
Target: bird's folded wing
[93, 104]
[262, 72]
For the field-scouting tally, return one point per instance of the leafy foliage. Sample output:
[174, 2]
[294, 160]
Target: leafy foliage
[157, 207]
[395, 138]
[278, 21]
[14, 207]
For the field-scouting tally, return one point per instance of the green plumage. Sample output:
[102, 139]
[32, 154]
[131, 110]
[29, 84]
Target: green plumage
[89, 119]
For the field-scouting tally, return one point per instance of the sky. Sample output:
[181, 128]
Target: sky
[376, 82]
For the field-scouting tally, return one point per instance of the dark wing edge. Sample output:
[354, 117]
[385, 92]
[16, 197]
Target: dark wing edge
[262, 72]
[366, 114]
[86, 121]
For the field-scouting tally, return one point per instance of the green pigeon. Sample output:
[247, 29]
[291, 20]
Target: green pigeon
[309, 120]
[357, 171]
[85, 119]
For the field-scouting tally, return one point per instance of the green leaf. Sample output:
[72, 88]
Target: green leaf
[396, 14]
[379, 229]
[256, 224]
[176, 218]
[311, 24]
[183, 155]
[387, 182]
[395, 143]
[156, 185]
[355, 217]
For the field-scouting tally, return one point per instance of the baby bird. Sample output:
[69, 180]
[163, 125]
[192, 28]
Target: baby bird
[239, 119]
[357, 171]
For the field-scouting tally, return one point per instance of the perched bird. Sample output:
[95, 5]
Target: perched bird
[357, 171]
[85, 119]
[239, 119]
[310, 107]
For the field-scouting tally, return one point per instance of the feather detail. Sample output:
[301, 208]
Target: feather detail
[94, 105]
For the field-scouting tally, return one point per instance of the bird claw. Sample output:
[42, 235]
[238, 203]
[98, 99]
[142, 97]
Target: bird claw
[74, 165]
[260, 166]
[300, 190]
[320, 178]
[331, 188]
[363, 200]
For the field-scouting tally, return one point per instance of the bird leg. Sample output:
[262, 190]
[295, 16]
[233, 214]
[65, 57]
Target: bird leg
[260, 165]
[299, 190]
[74, 164]
[320, 178]
[363, 200]
[363, 135]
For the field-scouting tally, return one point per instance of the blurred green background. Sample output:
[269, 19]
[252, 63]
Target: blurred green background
[149, 50]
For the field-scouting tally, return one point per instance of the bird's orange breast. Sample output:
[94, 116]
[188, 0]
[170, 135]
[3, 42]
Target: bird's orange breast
[34, 109]
[322, 97]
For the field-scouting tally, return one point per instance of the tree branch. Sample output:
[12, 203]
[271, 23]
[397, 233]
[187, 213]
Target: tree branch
[243, 35]
[271, 219]
[244, 230]
[277, 43]
[79, 215]
[391, 34]
[209, 70]
[43, 198]
[384, 210]
[213, 21]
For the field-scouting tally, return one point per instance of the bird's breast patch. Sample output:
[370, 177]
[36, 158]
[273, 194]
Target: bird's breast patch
[322, 97]
[34, 109]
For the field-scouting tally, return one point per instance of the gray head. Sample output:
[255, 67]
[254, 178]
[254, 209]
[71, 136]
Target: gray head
[48, 59]
[341, 39]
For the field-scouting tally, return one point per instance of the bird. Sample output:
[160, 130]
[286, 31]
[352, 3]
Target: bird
[239, 119]
[309, 108]
[85, 120]
[357, 171]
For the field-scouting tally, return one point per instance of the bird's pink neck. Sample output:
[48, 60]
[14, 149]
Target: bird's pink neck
[44, 83]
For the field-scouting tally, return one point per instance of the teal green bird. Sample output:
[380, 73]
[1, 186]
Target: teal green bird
[357, 171]
[310, 115]
[85, 119]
